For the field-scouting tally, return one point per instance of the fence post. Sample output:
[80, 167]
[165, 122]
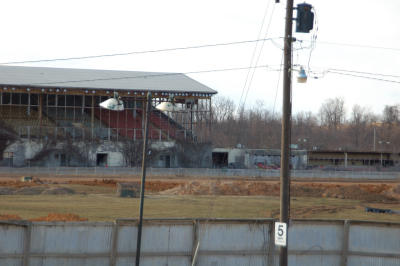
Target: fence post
[196, 243]
[271, 244]
[345, 243]
[27, 244]
[114, 243]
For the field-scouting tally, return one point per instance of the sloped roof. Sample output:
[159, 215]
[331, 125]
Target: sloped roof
[100, 79]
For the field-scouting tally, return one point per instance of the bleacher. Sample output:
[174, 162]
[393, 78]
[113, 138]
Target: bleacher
[69, 123]
[25, 122]
[128, 123]
[124, 123]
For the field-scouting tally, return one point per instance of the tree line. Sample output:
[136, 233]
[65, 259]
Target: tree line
[333, 127]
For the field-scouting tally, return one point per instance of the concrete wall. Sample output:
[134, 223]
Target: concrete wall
[220, 242]
[86, 154]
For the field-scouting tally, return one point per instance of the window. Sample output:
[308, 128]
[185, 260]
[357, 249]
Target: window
[51, 100]
[60, 100]
[88, 101]
[78, 100]
[6, 98]
[70, 100]
[24, 98]
[34, 99]
[15, 98]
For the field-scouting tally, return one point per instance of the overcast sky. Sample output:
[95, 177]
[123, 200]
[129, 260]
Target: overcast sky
[56, 29]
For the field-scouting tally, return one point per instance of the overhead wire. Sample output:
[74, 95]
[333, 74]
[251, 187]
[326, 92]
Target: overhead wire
[138, 52]
[363, 72]
[156, 75]
[314, 37]
[361, 76]
[277, 85]
[355, 45]
[259, 56]
[253, 54]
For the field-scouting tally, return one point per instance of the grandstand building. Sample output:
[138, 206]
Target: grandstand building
[52, 117]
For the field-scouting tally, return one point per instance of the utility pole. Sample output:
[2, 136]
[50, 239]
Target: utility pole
[286, 128]
[143, 182]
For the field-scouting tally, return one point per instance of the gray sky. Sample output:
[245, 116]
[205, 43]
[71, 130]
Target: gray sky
[55, 29]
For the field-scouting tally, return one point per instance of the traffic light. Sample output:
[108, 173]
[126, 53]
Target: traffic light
[305, 18]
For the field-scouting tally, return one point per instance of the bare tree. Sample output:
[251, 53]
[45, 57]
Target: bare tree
[332, 113]
[391, 114]
[360, 120]
[223, 108]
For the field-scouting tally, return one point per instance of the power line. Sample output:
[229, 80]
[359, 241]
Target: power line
[366, 73]
[137, 52]
[359, 76]
[354, 45]
[277, 85]
[254, 53]
[156, 75]
[258, 57]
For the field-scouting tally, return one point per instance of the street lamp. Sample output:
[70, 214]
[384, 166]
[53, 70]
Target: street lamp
[115, 104]
[302, 76]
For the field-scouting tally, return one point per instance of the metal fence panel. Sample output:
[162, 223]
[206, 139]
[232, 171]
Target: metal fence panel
[76, 239]
[374, 238]
[152, 261]
[167, 261]
[372, 261]
[320, 236]
[231, 260]
[12, 239]
[11, 262]
[167, 238]
[315, 260]
[127, 238]
[234, 236]
[69, 262]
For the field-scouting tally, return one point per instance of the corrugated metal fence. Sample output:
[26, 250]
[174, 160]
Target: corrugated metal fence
[221, 243]
[197, 172]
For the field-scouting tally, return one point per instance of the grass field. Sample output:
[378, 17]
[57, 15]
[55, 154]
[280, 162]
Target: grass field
[101, 204]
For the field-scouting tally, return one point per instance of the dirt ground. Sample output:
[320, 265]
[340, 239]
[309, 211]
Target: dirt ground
[369, 192]
[379, 194]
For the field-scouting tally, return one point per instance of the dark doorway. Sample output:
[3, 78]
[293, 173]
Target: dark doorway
[63, 160]
[220, 159]
[167, 161]
[101, 159]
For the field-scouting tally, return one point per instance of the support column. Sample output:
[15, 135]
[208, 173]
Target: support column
[40, 109]
[92, 117]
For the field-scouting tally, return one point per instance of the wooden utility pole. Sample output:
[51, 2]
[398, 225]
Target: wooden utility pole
[143, 182]
[286, 128]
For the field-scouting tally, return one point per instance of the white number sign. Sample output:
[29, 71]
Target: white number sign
[280, 234]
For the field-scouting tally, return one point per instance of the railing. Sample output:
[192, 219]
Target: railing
[197, 172]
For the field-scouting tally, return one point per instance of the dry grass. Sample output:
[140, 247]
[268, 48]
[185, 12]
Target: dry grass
[106, 206]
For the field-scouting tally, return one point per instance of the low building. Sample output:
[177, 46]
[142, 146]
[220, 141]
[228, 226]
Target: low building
[322, 158]
[256, 158]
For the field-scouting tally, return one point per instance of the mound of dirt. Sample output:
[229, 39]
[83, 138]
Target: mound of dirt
[95, 182]
[364, 192]
[29, 190]
[59, 217]
[58, 191]
[6, 191]
[6, 217]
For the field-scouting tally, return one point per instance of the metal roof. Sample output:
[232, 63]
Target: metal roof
[100, 79]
